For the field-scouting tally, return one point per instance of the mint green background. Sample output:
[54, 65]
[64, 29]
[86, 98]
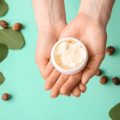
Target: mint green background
[30, 101]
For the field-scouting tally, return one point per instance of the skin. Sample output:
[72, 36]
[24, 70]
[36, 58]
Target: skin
[89, 27]
[93, 35]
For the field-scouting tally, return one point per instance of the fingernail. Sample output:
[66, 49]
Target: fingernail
[76, 95]
[83, 88]
[62, 91]
[53, 95]
[47, 87]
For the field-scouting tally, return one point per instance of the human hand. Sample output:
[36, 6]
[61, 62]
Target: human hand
[46, 39]
[90, 31]
[90, 28]
[93, 35]
[51, 21]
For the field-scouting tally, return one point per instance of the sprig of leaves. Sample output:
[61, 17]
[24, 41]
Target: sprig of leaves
[11, 38]
[3, 7]
[2, 78]
[3, 52]
[115, 112]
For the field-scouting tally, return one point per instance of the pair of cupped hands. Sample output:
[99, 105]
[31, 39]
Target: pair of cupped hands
[92, 34]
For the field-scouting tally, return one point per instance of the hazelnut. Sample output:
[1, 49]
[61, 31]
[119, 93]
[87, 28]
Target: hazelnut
[17, 26]
[104, 80]
[110, 50]
[116, 80]
[5, 96]
[99, 72]
[3, 24]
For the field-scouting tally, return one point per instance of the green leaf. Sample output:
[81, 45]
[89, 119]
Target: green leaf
[3, 7]
[13, 39]
[115, 112]
[2, 78]
[3, 52]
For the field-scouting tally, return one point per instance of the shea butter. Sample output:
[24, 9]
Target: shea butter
[69, 55]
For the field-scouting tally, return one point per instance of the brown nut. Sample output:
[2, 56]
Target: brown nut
[3, 24]
[99, 72]
[17, 26]
[110, 50]
[116, 80]
[104, 80]
[5, 96]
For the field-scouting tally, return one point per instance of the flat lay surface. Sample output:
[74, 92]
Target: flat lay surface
[29, 100]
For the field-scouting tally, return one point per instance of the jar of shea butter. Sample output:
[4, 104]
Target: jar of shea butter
[69, 55]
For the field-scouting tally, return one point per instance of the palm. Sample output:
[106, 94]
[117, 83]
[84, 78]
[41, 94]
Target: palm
[46, 40]
[93, 35]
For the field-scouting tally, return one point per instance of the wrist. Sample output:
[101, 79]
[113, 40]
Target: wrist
[99, 10]
[49, 12]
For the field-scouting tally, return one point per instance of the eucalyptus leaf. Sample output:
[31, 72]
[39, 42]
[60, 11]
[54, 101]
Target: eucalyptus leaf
[2, 78]
[3, 7]
[115, 112]
[3, 52]
[13, 39]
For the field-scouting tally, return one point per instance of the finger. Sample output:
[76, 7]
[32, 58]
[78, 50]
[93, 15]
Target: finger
[68, 32]
[76, 91]
[91, 68]
[82, 87]
[45, 67]
[56, 88]
[42, 62]
[52, 79]
[70, 84]
[48, 69]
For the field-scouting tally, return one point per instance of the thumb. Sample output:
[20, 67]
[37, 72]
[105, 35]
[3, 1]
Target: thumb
[91, 68]
[68, 31]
